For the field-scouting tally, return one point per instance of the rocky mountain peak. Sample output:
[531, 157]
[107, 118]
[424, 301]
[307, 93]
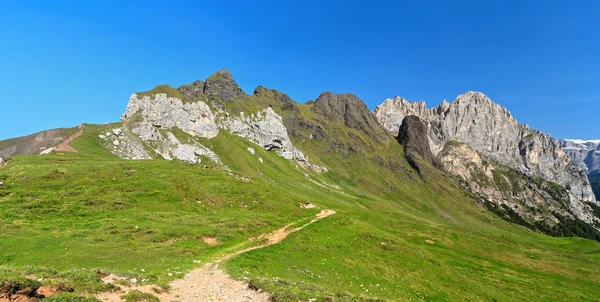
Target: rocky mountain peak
[476, 103]
[391, 112]
[351, 110]
[222, 85]
[490, 130]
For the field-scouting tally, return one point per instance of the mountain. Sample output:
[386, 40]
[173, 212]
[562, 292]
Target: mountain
[520, 173]
[517, 169]
[587, 155]
[324, 200]
[40, 143]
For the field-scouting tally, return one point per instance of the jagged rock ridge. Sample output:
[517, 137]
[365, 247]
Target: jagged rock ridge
[150, 118]
[490, 129]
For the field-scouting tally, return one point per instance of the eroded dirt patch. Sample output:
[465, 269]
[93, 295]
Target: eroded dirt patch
[65, 146]
[212, 241]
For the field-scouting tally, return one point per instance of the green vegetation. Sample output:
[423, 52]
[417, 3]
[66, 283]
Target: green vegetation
[68, 297]
[21, 285]
[138, 296]
[168, 90]
[452, 144]
[215, 77]
[397, 235]
[507, 179]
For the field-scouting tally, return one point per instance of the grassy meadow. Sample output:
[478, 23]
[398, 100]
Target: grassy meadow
[396, 235]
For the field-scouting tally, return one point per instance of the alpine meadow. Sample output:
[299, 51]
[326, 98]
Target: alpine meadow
[280, 151]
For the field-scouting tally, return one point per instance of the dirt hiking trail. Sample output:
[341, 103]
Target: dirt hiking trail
[209, 282]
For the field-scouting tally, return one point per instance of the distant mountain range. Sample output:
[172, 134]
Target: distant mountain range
[586, 153]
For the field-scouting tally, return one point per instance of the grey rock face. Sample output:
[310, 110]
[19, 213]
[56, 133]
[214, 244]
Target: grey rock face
[192, 91]
[151, 113]
[150, 117]
[585, 153]
[47, 151]
[490, 129]
[349, 109]
[190, 152]
[412, 134]
[391, 113]
[533, 200]
[223, 85]
[265, 129]
[124, 144]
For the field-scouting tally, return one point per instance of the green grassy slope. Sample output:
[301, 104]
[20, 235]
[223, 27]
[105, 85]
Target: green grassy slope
[64, 215]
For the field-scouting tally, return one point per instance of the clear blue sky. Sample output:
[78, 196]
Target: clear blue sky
[67, 62]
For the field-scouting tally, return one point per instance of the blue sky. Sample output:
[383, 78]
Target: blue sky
[79, 61]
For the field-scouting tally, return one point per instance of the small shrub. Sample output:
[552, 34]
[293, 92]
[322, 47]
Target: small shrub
[138, 296]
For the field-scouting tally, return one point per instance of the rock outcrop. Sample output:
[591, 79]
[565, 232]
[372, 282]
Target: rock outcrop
[391, 113]
[124, 144]
[192, 91]
[537, 202]
[490, 130]
[266, 129]
[152, 118]
[151, 113]
[222, 85]
[412, 134]
[350, 110]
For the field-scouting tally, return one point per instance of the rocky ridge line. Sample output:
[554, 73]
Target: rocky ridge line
[491, 130]
[150, 117]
